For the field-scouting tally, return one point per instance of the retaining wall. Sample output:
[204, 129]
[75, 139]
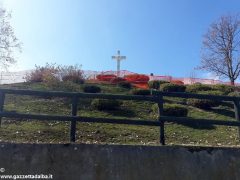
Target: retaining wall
[115, 162]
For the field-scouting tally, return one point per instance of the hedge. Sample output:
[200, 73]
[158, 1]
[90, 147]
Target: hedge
[125, 84]
[91, 89]
[194, 88]
[176, 110]
[168, 87]
[226, 89]
[105, 104]
[73, 78]
[205, 103]
[143, 92]
[155, 84]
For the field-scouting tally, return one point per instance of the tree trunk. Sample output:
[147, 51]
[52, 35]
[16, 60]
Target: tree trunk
[232, 82]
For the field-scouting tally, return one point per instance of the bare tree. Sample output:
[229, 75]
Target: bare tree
[221, 48]
[8, 41]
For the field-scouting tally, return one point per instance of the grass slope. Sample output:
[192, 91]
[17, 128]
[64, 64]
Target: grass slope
[58, 132]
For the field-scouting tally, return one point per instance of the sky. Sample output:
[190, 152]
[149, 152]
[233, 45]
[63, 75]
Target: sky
[163, 37]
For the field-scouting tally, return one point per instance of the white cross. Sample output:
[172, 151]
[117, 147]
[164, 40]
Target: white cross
[119, 58]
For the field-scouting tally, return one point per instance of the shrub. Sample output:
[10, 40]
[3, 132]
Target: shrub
[235, 94]
[53, 72]
[143, 92]
[105, 104]
[174, 110]
[72, 73]
[125, 84]
[215, 93]
[168, 87]
[91, 89]
[225, 89]
[194, 88]
[42, 73]
[200, 103]
[50, 80]
[171, 110]
[205, 103]
[72, 78]
[154, 84]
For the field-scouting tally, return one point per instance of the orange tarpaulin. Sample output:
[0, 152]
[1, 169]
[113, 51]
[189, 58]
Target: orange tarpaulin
[117, 80]
[106, 77]
[137, 80]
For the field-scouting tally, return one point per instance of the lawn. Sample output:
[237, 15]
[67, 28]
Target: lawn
[32, 131]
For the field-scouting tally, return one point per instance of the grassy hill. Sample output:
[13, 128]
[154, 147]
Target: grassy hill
[58, 132]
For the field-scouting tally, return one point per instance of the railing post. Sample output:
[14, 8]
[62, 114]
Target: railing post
[160, 113]
[73, 122]
[237, 113]
[2, 98]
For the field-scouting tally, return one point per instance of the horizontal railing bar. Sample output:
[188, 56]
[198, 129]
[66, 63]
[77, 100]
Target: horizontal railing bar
[78, 118]
[197, 96]
[123, 97]
[183, 120]
[191, 121]
[80, 95]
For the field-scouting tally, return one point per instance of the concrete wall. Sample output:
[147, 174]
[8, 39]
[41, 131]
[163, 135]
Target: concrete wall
[103, 162]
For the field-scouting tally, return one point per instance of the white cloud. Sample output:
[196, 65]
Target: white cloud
[210, 75]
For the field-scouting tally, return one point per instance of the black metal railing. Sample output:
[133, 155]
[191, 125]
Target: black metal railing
[157, 98]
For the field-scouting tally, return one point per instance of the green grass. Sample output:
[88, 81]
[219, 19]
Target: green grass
[33, 131]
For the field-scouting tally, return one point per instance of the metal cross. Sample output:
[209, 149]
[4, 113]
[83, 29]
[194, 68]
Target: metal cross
[119, 58]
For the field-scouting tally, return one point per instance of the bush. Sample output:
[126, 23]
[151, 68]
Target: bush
[72, 73]
[194, 88]
[168, 87]
[105, 104]
[200, 103]
[72, 78]
[91, 89]
[225, 89]
[215, 93]
[42, 73]
[155, 84]
[50, 80]
[143, 92]
[205, 103]
[235, 94]
[125, 84]
[53, 72]
[176, 110]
